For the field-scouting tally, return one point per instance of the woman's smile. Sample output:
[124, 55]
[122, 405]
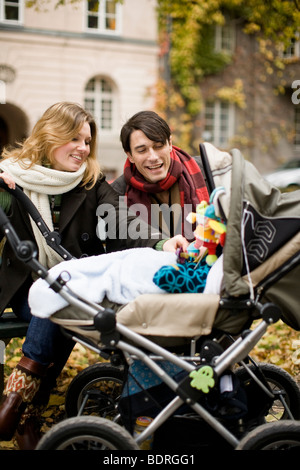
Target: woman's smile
[71, 156]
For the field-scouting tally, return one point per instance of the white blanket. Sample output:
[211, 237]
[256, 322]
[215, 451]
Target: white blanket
[120, 276]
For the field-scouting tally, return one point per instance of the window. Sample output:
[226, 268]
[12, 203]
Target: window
[293, 50]
[99, 101]
[104, 16]
[219, 122]
[297, 128]
[225, 38]
[11, 11]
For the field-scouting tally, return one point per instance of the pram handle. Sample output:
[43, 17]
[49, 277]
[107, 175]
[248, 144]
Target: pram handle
[52, 238]
[206, 168]
[25, 201]
[209, 177]
[25, 250]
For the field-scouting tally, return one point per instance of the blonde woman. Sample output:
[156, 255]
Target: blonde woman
[57, 168]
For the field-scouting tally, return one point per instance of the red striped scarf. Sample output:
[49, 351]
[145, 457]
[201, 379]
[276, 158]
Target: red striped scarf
[183, 169]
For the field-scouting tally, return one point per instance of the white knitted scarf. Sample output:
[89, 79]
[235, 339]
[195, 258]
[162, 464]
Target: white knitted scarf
[38, 182]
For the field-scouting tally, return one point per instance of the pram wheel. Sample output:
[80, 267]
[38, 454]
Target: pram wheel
[87, 433]
[95, 390]
[282, 435]
[282, 385]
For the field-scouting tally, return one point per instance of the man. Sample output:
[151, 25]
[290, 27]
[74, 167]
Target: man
[160, 181]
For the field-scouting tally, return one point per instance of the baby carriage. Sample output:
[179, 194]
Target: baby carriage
[260, 268]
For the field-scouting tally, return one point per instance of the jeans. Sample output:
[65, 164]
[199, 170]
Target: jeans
[45, 343]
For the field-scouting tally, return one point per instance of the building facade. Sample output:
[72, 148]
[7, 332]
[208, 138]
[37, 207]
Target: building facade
[100, 54]
[104, 55]
[252, 104]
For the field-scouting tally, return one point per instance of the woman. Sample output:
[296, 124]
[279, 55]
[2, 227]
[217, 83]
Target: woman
[57, 168]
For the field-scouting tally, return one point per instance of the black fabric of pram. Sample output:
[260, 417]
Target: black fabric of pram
[263, 236]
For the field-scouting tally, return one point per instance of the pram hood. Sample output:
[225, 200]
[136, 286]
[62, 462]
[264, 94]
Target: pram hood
[263, 235]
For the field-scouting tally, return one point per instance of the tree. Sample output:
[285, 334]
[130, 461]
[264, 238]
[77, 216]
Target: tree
[187, 50]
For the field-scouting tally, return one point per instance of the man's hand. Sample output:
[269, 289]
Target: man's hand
[176, 242]
[8, 180]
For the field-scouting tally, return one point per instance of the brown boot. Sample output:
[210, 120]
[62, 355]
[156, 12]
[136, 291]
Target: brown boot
[10, 413]
[20, 390]
[28, 431]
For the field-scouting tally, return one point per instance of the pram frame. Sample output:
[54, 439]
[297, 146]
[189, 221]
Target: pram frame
[105, 322]
[235, 353]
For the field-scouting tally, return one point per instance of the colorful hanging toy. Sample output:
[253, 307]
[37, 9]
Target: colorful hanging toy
[192, 267]
[210, 230]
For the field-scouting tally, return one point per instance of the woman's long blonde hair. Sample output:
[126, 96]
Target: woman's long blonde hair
[59, 125]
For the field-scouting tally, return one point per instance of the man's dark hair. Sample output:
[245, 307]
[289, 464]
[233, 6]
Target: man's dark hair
[153, 126]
